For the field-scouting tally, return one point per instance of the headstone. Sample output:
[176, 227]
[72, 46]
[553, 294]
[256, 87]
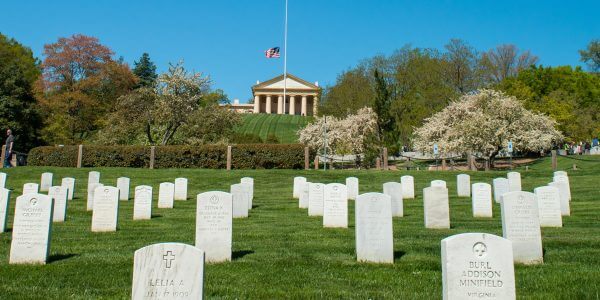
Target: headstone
[374, 236]
[482, 200]
[303, 201]
[30, 188]
[2, 179]
[142, 203]
[214, 225]
[59, 196]
[500, 188]
[296, 191]
[521, 225]
[548, 198]
[166, 191]
[249, 181]
[46, 182]
[335, 206]
[477, 265]
[565, 206]
[514, 181]
[436, 207]
[69, 183]
[561, 173]
[105, 214]
[315, 199]
[239, 198]
[352, 187]
[168, 271]
[93, 177]
[564, 180]
[123, 186]
[394, 190]
[408, 187]
[4, 201]
[438, 183]
[32, 228]
[463, 185]
[181, 187]
[248, 190]
[90, 197]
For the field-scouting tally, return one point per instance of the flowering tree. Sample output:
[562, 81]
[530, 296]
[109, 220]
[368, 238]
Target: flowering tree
[483, 123]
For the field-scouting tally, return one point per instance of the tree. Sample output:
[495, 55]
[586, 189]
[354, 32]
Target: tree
[145, 70]
[18, 108]
[353, 90]
[383, 101]
[591, 55]
[462, 66]
[506, 61]
[483, 123]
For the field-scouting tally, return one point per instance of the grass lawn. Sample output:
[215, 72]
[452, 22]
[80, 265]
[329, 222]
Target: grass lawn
[284, 127]
[281, 253]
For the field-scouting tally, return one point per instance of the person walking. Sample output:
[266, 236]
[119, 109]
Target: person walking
[10, 141]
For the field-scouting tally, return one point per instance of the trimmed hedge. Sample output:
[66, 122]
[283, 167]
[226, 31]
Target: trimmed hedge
[244, 156]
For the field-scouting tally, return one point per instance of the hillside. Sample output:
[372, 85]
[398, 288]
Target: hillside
[284, 127]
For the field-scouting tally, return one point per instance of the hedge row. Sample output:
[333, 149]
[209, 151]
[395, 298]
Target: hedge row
[244, 156]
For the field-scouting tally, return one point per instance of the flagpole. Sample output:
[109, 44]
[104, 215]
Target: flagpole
[285, 56]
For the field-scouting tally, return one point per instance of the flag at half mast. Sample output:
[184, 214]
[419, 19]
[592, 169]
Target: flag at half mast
[272, 53]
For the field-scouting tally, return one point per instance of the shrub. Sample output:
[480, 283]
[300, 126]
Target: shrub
[272, 139]
[246, 138]
[64, 156]
[267, 156]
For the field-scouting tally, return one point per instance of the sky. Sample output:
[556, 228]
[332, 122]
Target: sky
[226, 39]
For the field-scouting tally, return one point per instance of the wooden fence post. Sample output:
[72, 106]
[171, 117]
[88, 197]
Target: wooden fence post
[316, 162]
[3, 155]
[378, 163]
[385, 158]
[79, 156]
[554, 160]
[228, 158]
[306, 159]
[152, 154]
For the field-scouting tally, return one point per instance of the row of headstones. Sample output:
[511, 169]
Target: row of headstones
[34, 213]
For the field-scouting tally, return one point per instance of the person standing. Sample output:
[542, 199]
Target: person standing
[10, 141]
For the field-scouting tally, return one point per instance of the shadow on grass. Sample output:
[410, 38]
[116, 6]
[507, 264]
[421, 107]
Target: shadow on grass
[255, 206]
[239, 254]
[155, 216]
[398, 255]
[59, 257]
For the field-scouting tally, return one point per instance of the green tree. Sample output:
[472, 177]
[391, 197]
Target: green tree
[145, 70]
[18, 108]
[591, 55]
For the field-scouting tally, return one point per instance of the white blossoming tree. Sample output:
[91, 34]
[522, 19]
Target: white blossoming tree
[483, 123]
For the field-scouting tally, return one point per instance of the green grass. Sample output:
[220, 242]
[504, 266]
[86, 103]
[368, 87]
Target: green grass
[284, 127]
[281, 253]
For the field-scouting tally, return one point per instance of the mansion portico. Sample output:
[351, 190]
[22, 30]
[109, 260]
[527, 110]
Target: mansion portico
[302, 97]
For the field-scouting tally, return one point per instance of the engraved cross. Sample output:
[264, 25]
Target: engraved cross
[168, 258]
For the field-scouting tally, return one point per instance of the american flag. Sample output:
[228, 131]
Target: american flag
[272, 53]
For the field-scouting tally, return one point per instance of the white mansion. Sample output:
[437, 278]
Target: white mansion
[302, 97]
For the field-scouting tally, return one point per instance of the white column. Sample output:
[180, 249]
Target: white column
[280, 105]
[256, 104]
[292, 105]
[268, 110]
[303, 108]
[315, 105]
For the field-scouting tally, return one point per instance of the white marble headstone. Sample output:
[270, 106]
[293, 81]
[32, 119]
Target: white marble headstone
[548, 198]
[214, 221]
[463, 185]
[105, 215]
[30, 188]
[477, 265]
[46, 182]
[335, 206]
[352, 187]
[565, 206]
[514, 181]
[303, 201]
[69, 183]
[181, 187]
[394, 190]
[564, 180]
[315, 199]
[297, 181]
[408, 187]
[248, 190]
[2, 179]
[168, 271]
[439, 183]
[123, 186]
[374, 233]
[59, 196]
[521, 225]
[4, 201]
[500, 188]
[142, 203]
[436, 207]
[166, 191]
[561, 173]
[482, 199]
[32, 229]
[249, 181]
[239, 198]
[90, 196]
[93, 177]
